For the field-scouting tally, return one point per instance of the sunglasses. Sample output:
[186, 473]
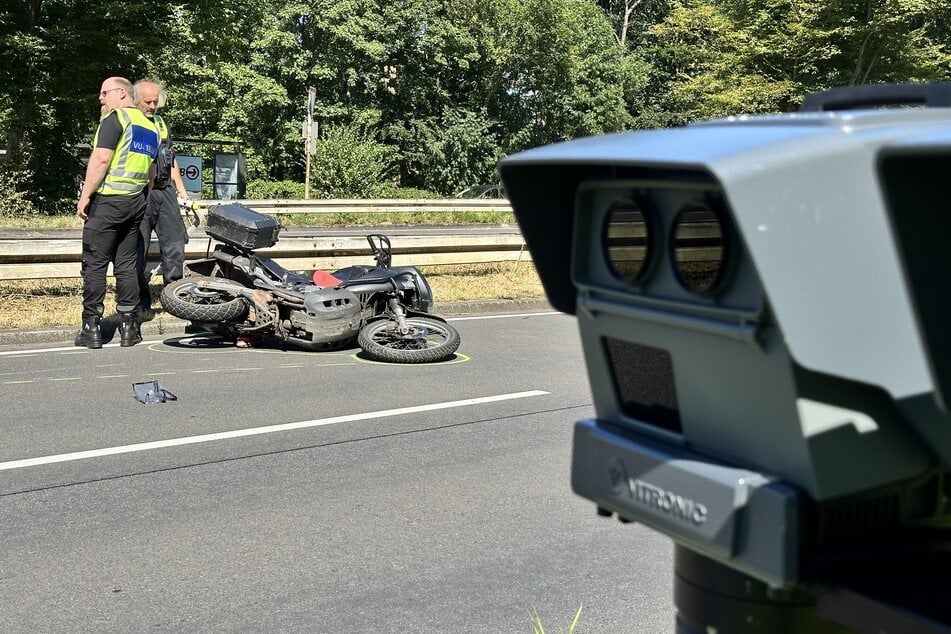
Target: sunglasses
[103, 93]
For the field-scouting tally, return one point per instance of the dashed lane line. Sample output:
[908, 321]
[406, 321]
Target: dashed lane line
[256, 431]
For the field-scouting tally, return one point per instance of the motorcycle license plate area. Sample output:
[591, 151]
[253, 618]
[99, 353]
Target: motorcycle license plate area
[242, 227]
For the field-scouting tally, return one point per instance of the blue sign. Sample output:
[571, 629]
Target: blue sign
[190, 169]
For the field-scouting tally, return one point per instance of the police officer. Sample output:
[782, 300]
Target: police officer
[111, 204]
[162, 213]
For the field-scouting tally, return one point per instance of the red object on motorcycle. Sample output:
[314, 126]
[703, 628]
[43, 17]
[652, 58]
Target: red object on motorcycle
[323, 278]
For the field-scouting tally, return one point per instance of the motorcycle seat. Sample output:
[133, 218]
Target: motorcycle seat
[366, 275]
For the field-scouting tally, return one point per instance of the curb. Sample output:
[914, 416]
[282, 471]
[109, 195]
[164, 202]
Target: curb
[165, 325]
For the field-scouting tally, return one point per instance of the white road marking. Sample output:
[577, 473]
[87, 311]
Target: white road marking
[255, 431]
[475, 317]
[74, 349]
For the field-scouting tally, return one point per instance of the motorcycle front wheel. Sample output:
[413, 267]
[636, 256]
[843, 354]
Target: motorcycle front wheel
[193, 299]
[428, 340]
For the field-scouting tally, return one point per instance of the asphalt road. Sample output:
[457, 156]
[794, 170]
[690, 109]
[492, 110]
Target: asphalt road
[291, 491]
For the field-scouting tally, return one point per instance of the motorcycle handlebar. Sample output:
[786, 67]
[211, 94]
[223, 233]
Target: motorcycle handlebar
[191, 208]
[188, 205]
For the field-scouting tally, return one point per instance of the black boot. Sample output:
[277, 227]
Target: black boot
[129, 334]
[89, 335]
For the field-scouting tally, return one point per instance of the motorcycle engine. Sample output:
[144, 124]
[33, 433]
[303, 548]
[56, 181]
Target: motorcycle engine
[330, 315]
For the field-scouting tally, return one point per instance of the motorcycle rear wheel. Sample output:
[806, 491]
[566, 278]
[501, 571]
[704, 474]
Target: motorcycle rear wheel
[428, 340]
[191, 298]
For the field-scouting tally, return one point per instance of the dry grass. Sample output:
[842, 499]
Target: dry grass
[42, 222]
[35, 304]
[503, 280]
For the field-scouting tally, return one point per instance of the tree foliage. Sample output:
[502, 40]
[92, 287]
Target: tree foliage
[53, 57]
[751, 56]
[430, 93]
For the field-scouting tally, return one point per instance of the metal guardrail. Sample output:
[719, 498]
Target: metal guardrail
[59, 257]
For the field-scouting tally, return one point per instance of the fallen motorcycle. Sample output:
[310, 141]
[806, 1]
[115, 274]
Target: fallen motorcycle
[238, 292]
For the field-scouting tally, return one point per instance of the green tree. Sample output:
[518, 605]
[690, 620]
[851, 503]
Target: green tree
[53, 57]
[719, 57]
[567, 77]
[461, 152]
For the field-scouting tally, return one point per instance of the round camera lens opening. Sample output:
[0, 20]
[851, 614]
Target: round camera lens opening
[699, 249]
[626, 241]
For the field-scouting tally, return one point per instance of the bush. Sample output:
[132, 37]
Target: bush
[389, 190]
[14, 202]
[270, 190]
[350, 163]
[462, 152]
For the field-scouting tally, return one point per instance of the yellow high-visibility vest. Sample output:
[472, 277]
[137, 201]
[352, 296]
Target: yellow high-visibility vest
[138, 146]
[161, 127]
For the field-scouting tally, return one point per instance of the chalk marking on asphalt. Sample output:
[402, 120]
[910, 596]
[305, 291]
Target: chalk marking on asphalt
[458, 357]
[256, 431]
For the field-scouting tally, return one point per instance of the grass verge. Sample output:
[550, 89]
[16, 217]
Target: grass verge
[38, 304]
[354, 219]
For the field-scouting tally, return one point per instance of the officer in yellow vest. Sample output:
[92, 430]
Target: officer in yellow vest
[162, 214]
[111, 204]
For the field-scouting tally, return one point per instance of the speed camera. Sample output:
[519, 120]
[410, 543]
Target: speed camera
[763, 309]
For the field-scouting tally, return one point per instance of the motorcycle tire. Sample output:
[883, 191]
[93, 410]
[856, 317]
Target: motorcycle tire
[429, 340]
[190, 298]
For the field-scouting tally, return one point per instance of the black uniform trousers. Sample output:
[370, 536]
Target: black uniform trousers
[111, 234]
[163, 216]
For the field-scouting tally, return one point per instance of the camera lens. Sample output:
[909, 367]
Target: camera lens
[627, 240]
[699, 248]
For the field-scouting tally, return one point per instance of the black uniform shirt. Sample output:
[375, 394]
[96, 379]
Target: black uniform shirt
[110, 131]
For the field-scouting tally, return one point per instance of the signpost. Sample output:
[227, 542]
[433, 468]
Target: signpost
[310, 138]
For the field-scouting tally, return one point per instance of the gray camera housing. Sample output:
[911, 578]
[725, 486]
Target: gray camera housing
[808, 381]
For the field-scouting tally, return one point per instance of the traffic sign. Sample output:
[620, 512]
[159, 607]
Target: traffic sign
[190, 169]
